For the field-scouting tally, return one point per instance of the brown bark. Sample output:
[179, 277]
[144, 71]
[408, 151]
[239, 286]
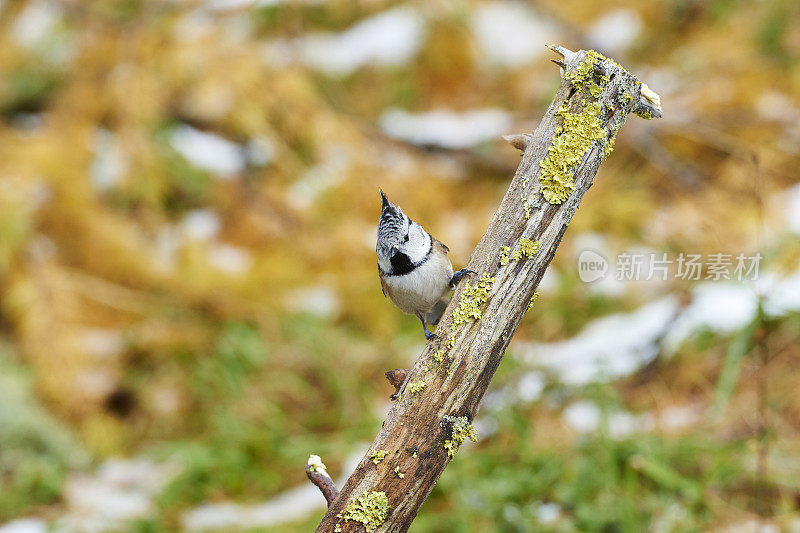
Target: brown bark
[451, 376]
[396, 377]
[323, 482]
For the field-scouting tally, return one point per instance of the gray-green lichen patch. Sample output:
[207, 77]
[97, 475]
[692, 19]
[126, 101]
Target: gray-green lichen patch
[533, 299]
[416, 387]
[378, 456]
[371, 509]
[525, 248]
[583, 76]
[609, 147]
[460, 430]
[472, 298]
[505, 255]
[579, 132]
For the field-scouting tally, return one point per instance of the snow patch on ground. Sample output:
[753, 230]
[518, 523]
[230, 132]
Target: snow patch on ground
[25, 525]
[102, 343]
[548, 513]
[719, 307]
[389, 38]
[201, 224]
[615, 32]
[35, 22]
[232, 5]
[118, 492]
[260, 151]
[447, 129]
[289, 506]
[318, 300]
[230, 259]
[229, 5]
[511, 34]
[618, 345]
[782, 294]
[791, 201]
[208, 151]
[587, 417]
[608, 348]
[110, 163]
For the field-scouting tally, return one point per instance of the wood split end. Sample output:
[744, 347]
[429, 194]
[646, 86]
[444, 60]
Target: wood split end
[566, 53]
[649, 104]
[646, 109]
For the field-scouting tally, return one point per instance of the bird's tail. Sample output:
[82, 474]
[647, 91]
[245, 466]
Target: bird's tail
[433, 316]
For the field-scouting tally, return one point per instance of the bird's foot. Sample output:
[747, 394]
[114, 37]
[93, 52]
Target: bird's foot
[458, 275]
[428, 334]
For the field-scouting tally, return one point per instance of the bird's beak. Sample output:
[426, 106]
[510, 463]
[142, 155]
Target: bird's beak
[385, 204]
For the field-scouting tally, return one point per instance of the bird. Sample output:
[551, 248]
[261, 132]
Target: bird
[415, 272]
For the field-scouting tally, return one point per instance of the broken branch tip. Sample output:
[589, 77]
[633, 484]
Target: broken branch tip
[318, 475]
[518, 140]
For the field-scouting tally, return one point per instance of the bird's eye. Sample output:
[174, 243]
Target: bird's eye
[405, 239]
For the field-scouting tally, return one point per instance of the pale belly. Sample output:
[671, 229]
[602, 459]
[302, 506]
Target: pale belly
[419, 290]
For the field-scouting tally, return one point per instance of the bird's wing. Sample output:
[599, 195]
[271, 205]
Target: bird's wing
[436, 242]
[383, 285]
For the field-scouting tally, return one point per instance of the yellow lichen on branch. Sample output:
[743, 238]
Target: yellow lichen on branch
[472, 298]
[371, 509]
[416, 387]
[461, 430]
[378, 456]
[525, 248]
[578, 133]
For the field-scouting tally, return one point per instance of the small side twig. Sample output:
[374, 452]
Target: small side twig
[317, 473]
[518, 140]
[396, 377]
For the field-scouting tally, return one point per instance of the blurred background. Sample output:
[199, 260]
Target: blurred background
[189, 302]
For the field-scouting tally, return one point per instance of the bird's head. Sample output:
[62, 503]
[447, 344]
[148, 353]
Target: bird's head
[402, 243]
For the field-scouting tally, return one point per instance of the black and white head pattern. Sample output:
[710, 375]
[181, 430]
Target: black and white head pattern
[402, 243]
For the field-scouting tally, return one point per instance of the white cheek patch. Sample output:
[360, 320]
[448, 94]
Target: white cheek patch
[384, 264]
[418, 245]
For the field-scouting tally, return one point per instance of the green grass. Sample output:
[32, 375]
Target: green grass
[36, 451]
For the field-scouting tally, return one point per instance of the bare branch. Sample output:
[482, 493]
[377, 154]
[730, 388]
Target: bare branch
[318, 474]
[425, 427]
